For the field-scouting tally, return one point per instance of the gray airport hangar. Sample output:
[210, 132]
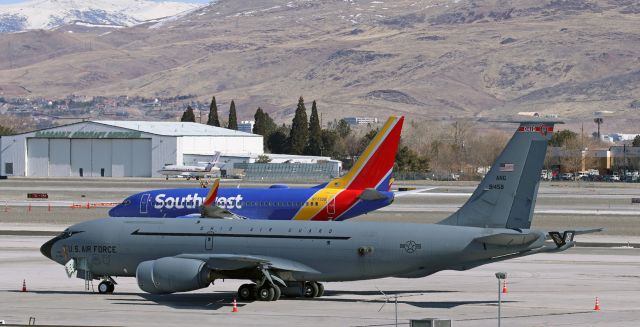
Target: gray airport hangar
[118, 148]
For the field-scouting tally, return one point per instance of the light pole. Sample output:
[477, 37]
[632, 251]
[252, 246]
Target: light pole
[500, 276]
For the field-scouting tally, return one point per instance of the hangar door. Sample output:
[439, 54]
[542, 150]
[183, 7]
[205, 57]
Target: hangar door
[131, 158]
[37, 157]
[89, 157]
[59, 157]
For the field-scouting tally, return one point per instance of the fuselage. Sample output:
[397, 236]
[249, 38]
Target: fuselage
[252, 203]
[337, 251]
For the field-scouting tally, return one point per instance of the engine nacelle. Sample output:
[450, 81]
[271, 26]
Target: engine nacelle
[169, 275]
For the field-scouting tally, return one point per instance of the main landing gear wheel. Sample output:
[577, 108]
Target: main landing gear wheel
[266, 293]
[106, 287]
[320, 289]
[311, 289]
[276, 293]
[247, 292]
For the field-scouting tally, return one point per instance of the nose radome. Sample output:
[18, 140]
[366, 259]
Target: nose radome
[45, 249]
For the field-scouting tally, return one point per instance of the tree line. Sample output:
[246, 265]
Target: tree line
[305, 136]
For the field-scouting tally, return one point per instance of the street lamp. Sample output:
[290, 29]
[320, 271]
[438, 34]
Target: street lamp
[500, 276]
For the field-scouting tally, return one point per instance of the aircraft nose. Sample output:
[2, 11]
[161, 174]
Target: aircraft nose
[45, 249]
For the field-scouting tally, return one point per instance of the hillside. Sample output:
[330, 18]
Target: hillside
[427, 59]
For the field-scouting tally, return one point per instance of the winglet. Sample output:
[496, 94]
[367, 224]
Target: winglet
[374, 167]
[213, 193]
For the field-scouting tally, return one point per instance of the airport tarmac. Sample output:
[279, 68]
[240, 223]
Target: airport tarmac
[543, 290]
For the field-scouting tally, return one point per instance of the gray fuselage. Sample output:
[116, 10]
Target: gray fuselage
[329, 251]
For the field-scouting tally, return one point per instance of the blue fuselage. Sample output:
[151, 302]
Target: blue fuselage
[250, 203]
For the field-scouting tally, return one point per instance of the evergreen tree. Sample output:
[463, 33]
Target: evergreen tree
[188, 115]
[233, 120]
[277, 140]
[342, 128]
[263, 125]
[314, 145]
[329, 140]
[258, 122]
[636, 141]
[299, 130]
[213, 113]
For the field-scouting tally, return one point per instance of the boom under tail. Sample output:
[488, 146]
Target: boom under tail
[507, 195]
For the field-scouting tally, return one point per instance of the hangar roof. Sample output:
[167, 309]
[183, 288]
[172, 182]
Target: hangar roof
[174, 128]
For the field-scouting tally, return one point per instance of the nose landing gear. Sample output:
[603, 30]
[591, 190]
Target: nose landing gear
[107, 285]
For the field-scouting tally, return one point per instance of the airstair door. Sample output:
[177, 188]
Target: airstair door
[144, 202]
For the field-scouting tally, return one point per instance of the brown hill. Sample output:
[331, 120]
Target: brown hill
[427, 59]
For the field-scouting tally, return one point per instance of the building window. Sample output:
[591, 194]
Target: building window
[8, 168]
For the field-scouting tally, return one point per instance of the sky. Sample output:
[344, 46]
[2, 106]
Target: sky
[4, 2]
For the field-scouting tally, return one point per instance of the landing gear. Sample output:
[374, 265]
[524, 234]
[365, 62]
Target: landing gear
[313, 289]
[106, 287]
[266, 293]
[247, 292]
[251, 292]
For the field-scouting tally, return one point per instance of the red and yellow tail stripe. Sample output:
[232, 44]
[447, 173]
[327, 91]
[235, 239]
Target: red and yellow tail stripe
[372, 167]
[213, 193]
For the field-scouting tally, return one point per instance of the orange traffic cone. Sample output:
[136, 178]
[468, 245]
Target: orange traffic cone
[88, 206]
[24, 285]
[235, 305]
[29, 207]
[504, 286]
[597, 307]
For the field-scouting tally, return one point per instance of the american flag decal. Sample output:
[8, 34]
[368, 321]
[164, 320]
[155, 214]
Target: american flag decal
[506, 167]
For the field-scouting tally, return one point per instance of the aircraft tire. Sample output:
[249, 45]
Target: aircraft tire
[276, 293]
[105, 287]
[320, 289]
[266, 293]
[246, 292]
[310, 289]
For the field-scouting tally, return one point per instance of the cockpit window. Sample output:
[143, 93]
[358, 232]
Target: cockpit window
[67, 233]
[126, 202]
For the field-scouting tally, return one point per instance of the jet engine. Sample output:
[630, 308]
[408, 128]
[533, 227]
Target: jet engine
[170, 274]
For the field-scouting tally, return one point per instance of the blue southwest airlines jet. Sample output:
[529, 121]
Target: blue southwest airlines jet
[366, 187]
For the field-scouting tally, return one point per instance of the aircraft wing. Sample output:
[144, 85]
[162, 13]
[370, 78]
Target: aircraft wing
[209, 209]
[241, 261]
[405, 193]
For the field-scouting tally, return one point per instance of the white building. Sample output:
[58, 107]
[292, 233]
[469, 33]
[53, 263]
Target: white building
[360, 120]
[117, 148]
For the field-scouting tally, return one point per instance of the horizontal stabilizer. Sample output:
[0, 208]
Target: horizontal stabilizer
[420, 190]
[371, 194]
[508, 239]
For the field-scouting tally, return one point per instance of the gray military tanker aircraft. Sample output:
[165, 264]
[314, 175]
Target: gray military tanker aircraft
[293, 257]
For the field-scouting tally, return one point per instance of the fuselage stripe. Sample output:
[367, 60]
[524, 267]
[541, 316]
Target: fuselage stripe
[304, 237]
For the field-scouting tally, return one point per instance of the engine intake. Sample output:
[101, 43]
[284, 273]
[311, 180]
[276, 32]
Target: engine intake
[169, 275]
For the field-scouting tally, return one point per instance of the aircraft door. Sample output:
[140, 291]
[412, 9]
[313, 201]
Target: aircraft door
[144, 201]
[208, 244]
[331, 206]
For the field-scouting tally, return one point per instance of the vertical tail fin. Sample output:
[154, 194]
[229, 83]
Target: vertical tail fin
[507, 195]
[213, 193]
[374, 167]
